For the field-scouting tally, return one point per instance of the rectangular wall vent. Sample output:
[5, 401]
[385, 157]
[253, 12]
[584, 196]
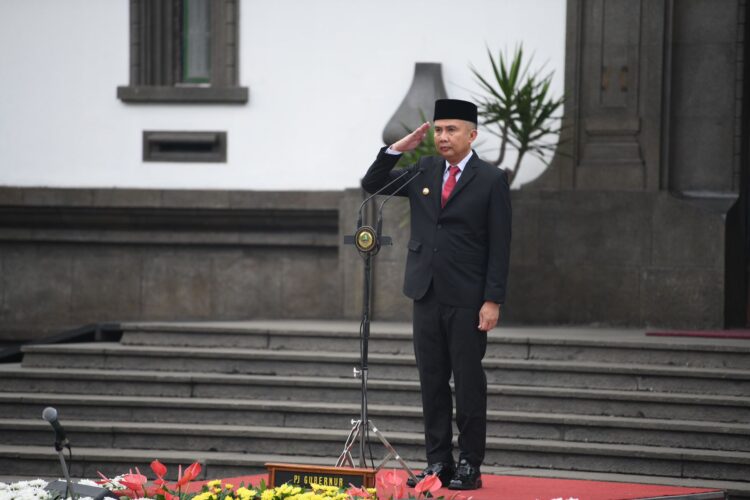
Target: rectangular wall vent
[185, 146]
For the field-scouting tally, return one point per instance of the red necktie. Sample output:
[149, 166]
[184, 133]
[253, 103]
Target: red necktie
[450, 183]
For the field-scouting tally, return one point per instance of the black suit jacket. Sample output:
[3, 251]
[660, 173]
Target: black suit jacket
[462, 249]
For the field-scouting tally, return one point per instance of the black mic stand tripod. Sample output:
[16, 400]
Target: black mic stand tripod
[367, 241]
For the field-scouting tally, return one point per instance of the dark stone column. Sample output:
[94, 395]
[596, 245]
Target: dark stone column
[614, 67]
[635, 221]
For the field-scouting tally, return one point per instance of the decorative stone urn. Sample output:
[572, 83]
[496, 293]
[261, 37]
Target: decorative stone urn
[426, 87]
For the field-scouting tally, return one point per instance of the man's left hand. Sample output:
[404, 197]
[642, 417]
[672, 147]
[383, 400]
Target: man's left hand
[489, 314]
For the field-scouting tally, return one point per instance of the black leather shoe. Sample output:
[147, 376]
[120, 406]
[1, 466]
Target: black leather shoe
[444, 471]
[466, 477]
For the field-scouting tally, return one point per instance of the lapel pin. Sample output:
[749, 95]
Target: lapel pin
[425, 191]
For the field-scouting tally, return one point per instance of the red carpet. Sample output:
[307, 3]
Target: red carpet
[719, 334]
[531, 488]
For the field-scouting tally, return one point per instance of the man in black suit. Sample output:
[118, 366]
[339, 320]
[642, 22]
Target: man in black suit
[456, 272]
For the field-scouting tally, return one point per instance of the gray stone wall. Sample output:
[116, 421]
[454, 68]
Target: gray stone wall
[584, 257]
[635, 259]
[70, 257]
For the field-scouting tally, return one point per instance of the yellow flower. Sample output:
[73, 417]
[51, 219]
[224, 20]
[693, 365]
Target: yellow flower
[215, 482]
[246, 494]
[308, 495]
[228, 486]
[207, 495]
[288, 489]
[268, 495]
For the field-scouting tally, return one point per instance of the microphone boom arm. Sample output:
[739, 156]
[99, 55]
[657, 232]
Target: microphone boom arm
[380, 191]
[379, 222]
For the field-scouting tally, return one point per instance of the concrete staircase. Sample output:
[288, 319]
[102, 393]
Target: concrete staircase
[601, 404]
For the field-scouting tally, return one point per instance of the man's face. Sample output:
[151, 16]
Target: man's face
[453, 139]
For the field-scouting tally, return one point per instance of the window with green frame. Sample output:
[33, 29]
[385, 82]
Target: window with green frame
[184, 51]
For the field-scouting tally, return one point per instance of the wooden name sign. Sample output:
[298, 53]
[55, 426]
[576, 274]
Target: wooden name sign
[305, 475]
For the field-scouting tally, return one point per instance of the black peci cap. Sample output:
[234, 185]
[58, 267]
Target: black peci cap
[455, 109]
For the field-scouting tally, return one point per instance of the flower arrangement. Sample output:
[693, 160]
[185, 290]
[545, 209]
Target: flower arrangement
[135, 486]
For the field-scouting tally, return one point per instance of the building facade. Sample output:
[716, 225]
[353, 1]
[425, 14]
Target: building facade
[199, 160]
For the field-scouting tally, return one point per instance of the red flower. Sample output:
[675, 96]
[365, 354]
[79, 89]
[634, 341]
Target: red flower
[430, 484]
[191, 472]
[134, 482]
[159, 469]
[390, 484]
[354, 491]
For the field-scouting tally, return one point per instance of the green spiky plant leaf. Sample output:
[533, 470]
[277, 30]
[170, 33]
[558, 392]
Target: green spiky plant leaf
[517, 106]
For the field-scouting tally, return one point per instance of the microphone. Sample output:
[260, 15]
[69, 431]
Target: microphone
[50, 415]
[379, 223]
[66, 488]
[373, 195]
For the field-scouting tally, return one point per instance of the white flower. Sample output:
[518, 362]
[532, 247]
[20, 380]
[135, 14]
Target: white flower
[89, 482]
[24, 490]
[114, 483]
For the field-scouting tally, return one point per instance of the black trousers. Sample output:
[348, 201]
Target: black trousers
[446, 340]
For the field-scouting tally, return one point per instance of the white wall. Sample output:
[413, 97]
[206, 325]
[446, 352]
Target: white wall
[324, 78]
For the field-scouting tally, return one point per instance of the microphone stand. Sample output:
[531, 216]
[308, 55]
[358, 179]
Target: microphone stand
[74, 490]
[368, 241]
[61, 453]
[56, 488]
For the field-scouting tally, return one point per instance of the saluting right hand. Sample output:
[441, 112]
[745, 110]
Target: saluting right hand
[412, 140]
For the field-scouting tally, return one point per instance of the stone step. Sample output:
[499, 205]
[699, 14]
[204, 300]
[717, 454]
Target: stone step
[328, 443]
[560, 400]
[589, 375]
[43, 462]
[280, 414]
[272, 337]
[639, 404]
[561, 344]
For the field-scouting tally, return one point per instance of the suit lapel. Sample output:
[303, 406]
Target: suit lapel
[437, 183]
